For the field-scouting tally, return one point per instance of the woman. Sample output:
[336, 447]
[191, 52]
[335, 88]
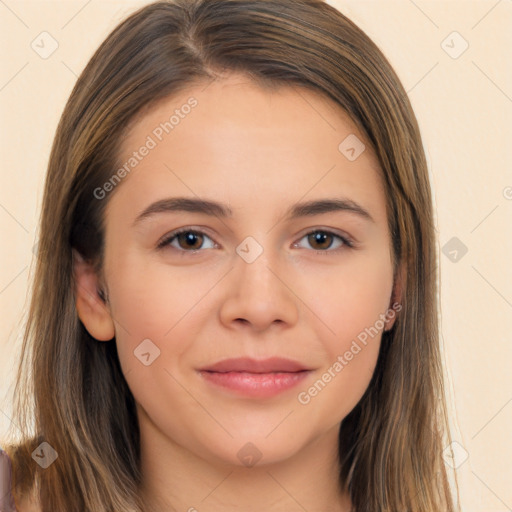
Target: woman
[234, 304]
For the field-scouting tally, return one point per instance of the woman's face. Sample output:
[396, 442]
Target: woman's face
[269, 279]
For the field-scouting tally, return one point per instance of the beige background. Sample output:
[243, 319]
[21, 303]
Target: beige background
[464, 107]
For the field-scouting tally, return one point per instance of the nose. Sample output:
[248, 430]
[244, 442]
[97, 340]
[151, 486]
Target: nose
[259, 295]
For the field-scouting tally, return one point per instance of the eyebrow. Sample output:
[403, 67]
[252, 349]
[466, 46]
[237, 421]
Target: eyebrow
[213, 208]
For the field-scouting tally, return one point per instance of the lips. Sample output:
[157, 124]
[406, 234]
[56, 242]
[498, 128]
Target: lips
[253, 378]
[246, 364]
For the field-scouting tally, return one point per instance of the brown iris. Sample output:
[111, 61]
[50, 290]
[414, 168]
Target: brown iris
[188, 237]
[320, 237]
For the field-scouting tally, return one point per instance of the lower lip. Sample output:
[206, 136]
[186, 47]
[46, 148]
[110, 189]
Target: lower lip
[258, 385]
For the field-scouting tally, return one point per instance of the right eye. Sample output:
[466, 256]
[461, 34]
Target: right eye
[188, 240]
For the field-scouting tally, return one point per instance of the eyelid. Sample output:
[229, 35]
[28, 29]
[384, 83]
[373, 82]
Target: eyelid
[166, 239]
[348, 241]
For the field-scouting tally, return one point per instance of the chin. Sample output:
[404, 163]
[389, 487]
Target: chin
[254, 450]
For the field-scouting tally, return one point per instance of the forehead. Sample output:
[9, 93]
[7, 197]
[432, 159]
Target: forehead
[233, 140]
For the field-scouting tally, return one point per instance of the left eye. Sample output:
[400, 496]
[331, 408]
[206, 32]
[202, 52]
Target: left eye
[186, 238]
[324, 239]
[190, 240]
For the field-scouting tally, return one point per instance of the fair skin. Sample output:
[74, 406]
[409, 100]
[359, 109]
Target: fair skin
[258, 153]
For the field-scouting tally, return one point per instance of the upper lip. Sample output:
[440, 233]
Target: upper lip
[246, 364]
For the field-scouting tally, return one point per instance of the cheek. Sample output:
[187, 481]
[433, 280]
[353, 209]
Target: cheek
[350, 307]
[352, 298]
[153, 336]
[164, 306]
[151, 297]
[152, 301]
[145, 306]
[351, 355]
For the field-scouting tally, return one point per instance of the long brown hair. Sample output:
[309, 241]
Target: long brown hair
[71, 391]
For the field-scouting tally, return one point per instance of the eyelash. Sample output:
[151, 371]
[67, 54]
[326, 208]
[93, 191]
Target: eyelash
[166, 241]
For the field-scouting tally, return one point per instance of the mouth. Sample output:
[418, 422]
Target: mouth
[255, 378]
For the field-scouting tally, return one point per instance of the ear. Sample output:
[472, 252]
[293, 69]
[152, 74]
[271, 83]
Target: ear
[395, 304]
[90, 305]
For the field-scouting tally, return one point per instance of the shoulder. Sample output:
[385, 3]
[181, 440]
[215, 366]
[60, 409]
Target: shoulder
[17, 482]
[27, 504]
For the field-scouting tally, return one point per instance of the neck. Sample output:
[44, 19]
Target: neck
[175, 478]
